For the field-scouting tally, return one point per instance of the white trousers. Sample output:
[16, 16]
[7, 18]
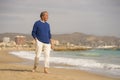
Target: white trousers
[40, 46]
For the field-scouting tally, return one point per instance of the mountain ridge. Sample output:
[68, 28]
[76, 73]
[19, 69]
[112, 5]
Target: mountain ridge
[74, 38]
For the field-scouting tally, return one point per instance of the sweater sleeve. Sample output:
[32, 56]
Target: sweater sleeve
[34, 31]
[49, 33]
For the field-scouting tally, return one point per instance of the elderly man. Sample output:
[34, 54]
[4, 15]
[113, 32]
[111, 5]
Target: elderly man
[42, 35]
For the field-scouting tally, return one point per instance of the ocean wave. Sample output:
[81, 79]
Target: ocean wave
[88, 64]
[75, 62]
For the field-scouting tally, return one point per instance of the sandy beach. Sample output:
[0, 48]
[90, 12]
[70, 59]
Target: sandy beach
[9, 70]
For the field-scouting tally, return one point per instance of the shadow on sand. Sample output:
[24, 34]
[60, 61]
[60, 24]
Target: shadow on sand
[19, 70]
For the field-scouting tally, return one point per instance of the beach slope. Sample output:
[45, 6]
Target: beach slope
[11, 69]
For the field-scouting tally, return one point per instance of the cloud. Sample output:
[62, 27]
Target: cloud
[100, 17]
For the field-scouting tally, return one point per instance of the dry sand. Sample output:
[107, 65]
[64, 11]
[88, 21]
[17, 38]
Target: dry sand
[9, 70]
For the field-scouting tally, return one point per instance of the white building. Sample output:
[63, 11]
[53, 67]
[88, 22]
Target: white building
[6, 39]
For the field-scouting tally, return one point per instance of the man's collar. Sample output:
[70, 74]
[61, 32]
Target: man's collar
[42, 21]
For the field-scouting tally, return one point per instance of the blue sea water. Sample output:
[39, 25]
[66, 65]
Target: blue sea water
[106, 62]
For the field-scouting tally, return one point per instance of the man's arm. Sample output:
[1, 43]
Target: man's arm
[52, 45]
[34, 31]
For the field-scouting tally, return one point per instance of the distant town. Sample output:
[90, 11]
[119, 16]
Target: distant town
[21, 42]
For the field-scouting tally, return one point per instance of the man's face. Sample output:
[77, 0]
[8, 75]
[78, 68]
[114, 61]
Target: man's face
[45, 17]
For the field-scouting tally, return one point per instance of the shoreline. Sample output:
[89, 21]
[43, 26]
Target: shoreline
[20, 71]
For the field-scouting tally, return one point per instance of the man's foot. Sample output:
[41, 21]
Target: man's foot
[46, 70]
[33, 70]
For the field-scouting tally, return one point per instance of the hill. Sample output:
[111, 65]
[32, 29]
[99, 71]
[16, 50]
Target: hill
[74, 38]
[84, 39]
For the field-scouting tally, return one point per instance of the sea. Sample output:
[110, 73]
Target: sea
[104, 62]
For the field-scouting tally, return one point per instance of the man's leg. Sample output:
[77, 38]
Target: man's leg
[47, 49]
[39, 46]
[36, 62]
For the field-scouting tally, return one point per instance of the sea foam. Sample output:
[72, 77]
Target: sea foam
[86, 64]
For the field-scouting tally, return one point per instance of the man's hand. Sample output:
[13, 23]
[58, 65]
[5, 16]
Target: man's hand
[35, 39]
[52, 46]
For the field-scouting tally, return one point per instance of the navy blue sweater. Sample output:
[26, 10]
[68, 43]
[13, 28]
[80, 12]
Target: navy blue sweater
[41, 31]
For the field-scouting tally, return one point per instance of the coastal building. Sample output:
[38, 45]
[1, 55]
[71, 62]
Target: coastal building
[20, 40]
[6, 39]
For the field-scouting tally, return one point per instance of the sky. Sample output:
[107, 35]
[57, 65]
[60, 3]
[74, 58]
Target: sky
[97, 17]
